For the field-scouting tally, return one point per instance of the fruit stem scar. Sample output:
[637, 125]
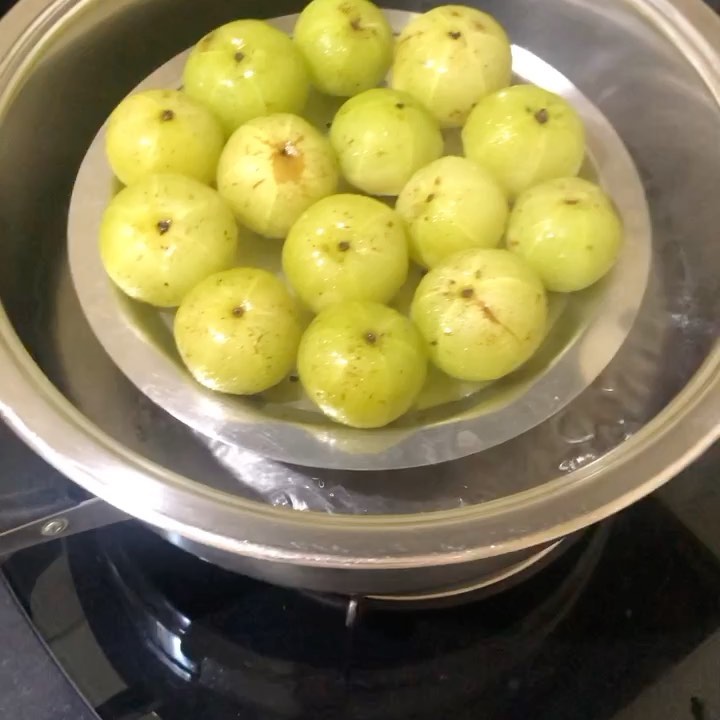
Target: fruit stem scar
[356, 24]
[455, 35]
[370, 338]
[467, 292]
[288, 162]
[239, 56]
[343, 246]
[400, 105]
[164, 226]
[542, 116]
[238, 311]
[167, 115]
[289, 149]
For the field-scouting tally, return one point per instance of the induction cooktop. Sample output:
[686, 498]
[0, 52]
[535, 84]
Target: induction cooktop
[624, 625]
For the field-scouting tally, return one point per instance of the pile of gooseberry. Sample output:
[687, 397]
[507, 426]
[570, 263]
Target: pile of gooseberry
[353, 206]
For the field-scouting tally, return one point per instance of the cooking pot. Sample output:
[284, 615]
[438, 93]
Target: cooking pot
[652, 67]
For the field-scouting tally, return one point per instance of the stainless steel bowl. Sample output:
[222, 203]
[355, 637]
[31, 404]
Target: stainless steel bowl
[650, 66]
[588, 328]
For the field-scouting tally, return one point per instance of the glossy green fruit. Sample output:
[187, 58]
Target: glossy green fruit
[247, 69]
[348, 45]
[273, 169]
[450, 205]
[163, 131]
[238, 331]
[382, 137]
[346, 247]
[362, 363]
[568, 231]
[483, 313]
[163, 235]
[524, 136]
[450, 58]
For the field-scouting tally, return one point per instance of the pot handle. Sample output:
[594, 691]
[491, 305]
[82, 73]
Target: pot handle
[38, 504]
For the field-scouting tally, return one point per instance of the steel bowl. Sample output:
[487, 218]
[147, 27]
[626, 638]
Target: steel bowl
[651, 67]
[588, 328]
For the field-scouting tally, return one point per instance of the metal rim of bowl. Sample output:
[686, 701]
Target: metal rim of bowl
[57, 431]
[612, 308]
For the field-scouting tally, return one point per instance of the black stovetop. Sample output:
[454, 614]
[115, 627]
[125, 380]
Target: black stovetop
[624, 625]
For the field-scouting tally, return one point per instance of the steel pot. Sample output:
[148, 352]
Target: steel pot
[653, 69]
